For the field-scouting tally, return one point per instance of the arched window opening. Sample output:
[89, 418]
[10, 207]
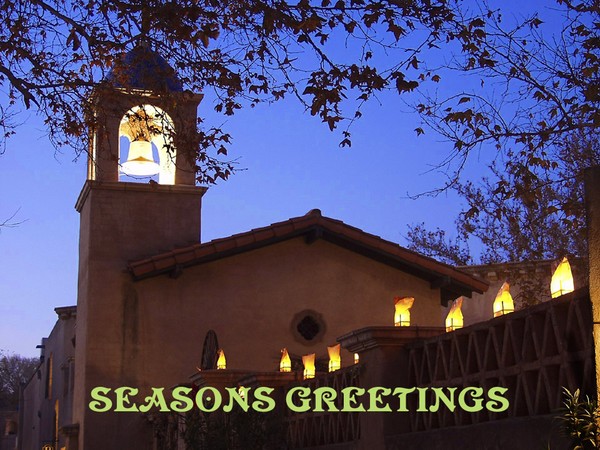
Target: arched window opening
[146, 148]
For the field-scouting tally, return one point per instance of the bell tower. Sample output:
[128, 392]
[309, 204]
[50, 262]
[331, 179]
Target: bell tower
[143, 122]
[139, 199]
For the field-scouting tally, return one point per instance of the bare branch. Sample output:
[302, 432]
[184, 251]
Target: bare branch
[10, 222]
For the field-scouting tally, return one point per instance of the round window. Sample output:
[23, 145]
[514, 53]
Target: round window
[308, 327]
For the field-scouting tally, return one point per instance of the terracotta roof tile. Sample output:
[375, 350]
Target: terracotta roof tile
[334, 230]
[263, 234]
[223, 245]
[142, 268]
[183, 256]
[200, 251]
[166, 262]
[282, 228]
[244, 239]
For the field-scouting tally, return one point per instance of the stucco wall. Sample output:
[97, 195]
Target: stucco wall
[119, 221]
[251, 299]
[47, 393]
[151, 332]
[529, 282]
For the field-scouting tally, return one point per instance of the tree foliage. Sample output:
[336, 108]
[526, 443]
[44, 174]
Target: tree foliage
[546, 86]
[519, 212]
[331, 55]
[580, 420]
[237, 429]
[542, 118]
[14, 370]
[536, 90]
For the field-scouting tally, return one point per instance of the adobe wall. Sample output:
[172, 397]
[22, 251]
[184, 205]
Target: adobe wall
[150, 333]
[8, 430]
[47, 392]
[119, 222]
[524, 433]
[525, 278]
[29, 430]
[250, 301]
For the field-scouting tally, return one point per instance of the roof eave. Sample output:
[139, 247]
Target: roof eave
[451, 282]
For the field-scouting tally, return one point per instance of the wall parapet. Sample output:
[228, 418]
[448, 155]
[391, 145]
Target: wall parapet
[314, 429]
[533, 353]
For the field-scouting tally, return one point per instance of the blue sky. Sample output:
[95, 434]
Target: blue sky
[292, 164]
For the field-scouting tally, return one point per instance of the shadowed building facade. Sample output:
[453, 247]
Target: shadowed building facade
[149, 292]
[154, 304]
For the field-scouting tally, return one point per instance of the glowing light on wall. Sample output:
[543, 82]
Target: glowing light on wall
[356, 358]
[402, 311]
[309, 366]
[335, 360]
[454, 319]
[562, 280]
[221, 361]
[504, 302]
[285, 365]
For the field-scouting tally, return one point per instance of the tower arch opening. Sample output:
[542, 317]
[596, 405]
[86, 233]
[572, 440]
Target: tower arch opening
[146, 145]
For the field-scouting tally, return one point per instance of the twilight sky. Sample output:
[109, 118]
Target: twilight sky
[293, 164]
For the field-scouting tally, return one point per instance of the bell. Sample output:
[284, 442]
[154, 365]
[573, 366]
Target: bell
[140, 161]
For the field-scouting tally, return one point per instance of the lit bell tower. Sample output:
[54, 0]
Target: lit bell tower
[142, 156]
[139, 199]
[143, 122]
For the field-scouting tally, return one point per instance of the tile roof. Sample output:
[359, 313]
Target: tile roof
[313, 226]
[143, 68]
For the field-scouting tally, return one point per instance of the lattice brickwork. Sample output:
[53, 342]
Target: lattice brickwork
[313, 429]
[533, 352]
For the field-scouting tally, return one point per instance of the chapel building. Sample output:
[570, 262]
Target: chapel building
[155, 304]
